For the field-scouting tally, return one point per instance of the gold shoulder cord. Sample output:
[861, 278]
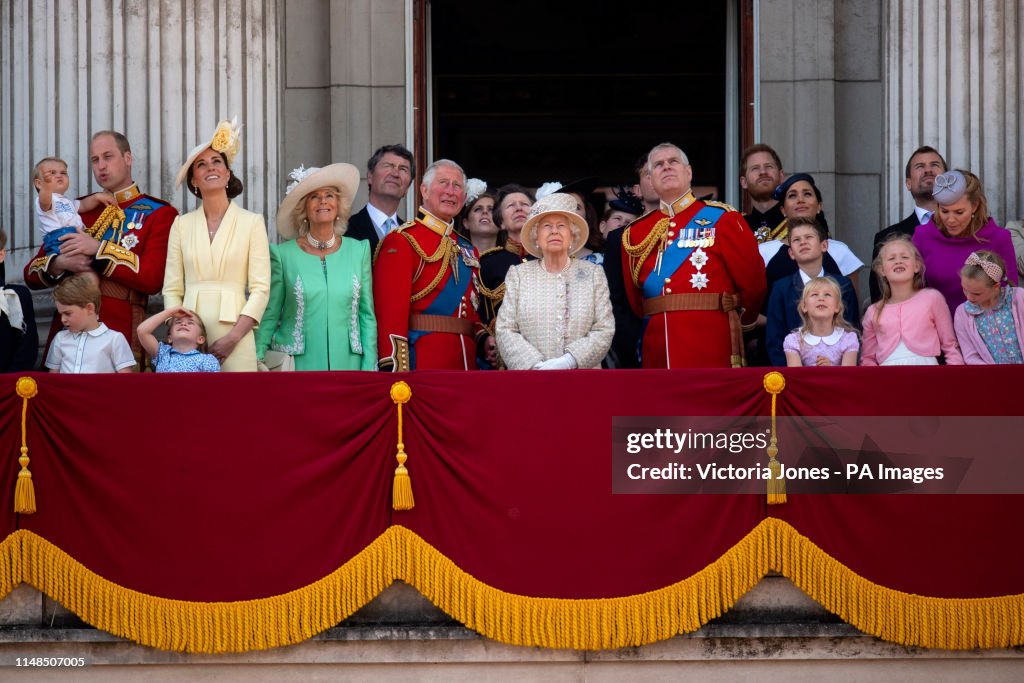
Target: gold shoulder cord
[111, 214]
[496, 294]
[444, 252]
[781, 231]
[638, 253]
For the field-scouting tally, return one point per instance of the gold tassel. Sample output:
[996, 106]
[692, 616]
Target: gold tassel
[774, 383]
[24, 491]
[401, 492]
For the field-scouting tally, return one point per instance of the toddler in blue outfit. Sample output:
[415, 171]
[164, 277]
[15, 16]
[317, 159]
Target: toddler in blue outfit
[58, 215]
[185, 348]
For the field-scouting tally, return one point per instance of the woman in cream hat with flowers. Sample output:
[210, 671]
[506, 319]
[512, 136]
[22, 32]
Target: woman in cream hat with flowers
[556, 314]
[321, 294]
[218, 253]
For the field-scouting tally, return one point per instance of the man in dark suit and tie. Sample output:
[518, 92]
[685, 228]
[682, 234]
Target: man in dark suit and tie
[924, 165]
[389, 172]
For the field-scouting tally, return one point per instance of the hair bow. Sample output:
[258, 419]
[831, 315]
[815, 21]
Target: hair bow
[993, 270]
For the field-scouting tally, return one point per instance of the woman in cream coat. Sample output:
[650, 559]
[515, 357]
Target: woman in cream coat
[556, 314]
[218, 253]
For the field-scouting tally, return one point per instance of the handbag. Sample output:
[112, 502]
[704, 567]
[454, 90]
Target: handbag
[277, 361]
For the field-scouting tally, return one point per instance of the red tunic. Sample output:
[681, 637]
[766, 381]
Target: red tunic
[130, 263]
[701, 338]
[401, 273]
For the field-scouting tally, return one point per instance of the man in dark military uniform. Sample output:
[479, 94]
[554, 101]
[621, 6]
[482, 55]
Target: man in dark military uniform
[760, 173]
[126, 246]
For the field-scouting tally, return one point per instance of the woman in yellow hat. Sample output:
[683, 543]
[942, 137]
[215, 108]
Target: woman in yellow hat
[218, 257]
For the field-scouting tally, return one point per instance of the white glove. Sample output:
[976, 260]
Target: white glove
[563, 362]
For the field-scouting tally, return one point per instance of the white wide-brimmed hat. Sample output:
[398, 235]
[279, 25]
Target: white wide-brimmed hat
[225, 139]
[554, 203]
[343, 177]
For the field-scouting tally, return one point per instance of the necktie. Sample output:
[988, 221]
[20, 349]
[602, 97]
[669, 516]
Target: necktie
[927, 217]
[389, 225]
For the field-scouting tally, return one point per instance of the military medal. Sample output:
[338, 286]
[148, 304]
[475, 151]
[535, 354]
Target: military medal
[130, 240]
[699, 259]
[468, 259]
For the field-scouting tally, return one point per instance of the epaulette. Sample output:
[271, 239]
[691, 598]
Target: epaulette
[405, 226]
[154, 199]
[720, 205]
[492, 251]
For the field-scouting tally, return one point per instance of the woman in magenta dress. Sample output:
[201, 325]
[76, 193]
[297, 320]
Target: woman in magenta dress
[961, 226]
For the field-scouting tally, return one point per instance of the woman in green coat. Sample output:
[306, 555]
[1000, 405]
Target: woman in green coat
[321, 297]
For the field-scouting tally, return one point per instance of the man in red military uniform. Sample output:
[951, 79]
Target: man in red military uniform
[425, 283]
[692, 272]
[128, 250]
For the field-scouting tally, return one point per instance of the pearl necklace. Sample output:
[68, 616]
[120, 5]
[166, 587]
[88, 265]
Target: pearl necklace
[317, 244]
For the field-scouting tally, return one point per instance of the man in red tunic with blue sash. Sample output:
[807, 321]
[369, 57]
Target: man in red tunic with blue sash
[425, 283]
[128, 251]
[692, 272]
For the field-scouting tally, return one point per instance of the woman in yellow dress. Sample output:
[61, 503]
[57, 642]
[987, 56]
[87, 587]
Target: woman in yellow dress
[218, 256]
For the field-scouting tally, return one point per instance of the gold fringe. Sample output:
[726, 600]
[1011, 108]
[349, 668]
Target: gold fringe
[605, 623]
[401, 491]
[24, 491]
[774, 383]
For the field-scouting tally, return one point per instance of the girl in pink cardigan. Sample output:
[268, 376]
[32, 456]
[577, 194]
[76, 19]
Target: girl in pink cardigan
[911, 324]
[990, 324]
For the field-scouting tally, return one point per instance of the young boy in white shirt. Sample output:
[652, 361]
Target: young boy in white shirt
[85, 345]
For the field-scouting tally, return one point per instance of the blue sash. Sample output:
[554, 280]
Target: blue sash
[135, 213]
[673, 257]
[446, 302]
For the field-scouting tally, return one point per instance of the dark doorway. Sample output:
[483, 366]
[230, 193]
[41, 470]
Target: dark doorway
[536, 91]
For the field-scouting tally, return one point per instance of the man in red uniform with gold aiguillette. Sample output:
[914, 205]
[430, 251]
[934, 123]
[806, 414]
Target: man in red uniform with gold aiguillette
[127, 249]
[692, 272]
[425, 283]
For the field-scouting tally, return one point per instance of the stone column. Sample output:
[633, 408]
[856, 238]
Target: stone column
[344, 90]
[163, 73]
[954, 83]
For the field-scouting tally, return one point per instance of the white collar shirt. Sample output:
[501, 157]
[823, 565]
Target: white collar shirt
[94, 351]
[379, 218]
